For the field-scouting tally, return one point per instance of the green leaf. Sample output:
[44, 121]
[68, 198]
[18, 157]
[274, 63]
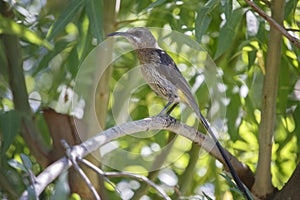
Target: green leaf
[289, 9]
[10, 123]
[228, 8]
[72, 63]
[283, 86]
[87, 46]
[234, 187]
[251, 58]
[203, 18]
[229, 180]
[17, 165]
[9, 26]
[65, 18]
[59, 47]
[3, 60]
[262, 34]
[155, 4]
[94, 12]
[44, 129]
[26, 161]
[232, 115]
[228, 32]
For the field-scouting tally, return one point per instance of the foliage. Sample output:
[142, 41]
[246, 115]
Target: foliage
[57, 40]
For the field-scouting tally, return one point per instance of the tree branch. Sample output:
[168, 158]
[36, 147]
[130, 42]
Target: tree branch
[274, 23]
[153, 123]
[263, 183]
[79, 170]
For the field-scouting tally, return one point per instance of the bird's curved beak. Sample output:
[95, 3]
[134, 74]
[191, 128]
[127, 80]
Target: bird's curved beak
[125, 34]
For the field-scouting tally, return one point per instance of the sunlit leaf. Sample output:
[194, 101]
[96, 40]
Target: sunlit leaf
[9, 26]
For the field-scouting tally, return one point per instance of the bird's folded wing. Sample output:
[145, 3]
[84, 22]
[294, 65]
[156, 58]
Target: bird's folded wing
[170, 71]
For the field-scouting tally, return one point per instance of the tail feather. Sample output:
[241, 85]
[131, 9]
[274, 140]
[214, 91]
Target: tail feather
[206, 125]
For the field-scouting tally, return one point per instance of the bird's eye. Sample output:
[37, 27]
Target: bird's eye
[138, 33]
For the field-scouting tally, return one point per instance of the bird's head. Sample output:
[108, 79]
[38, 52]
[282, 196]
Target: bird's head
[139, 37]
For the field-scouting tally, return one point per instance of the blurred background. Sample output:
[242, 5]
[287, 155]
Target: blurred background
[59, 78]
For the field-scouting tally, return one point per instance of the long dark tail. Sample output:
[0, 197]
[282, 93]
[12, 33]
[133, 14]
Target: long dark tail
[223, 153]
[195, 107]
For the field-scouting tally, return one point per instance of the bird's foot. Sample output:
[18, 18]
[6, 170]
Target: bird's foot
[168, 119]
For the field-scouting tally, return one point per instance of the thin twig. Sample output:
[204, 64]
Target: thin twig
[126, 174]
[99, 171]
[273, 23]
[79, 170]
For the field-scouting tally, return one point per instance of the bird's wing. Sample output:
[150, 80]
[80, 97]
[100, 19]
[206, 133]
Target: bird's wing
[169, 69]
[165, 59]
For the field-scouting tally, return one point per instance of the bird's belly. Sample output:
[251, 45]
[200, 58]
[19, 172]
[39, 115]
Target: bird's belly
[159, 84]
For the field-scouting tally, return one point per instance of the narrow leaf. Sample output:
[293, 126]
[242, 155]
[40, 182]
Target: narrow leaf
[16, 165]
[10, 123]
[65, 18]
[94, 10]
[59, 47]
[283, 86]
[204, 18]
[229, 31]
[9, 26]
[26, 161]
[155, 4]
[202, 22]
[233, 115]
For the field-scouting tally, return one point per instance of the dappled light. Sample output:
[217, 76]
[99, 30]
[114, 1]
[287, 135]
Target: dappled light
[80, 120]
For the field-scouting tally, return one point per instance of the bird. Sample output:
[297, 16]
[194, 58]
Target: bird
[165, 79]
